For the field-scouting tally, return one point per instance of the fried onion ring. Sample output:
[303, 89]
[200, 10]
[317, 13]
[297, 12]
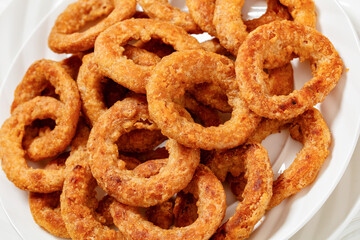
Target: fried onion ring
[162, 10]
[41, 74]
[110, 172]
[109, 50]
[180, 71]
[258, 51]
[210, 196]
[256, 195]
[13, 155]
[68, 36]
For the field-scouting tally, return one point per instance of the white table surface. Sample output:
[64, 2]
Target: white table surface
[349, 232]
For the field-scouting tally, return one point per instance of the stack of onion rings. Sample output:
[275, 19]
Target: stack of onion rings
[105, 171]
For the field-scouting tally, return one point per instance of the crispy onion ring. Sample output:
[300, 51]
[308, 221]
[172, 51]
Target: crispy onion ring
[312, 131]
[258, 51]
[110, 172]
[162, 10]
[67, 35]
[180, 71]
[256, 195]
[38, 77]
[303, 11]
[210, 196]
[109, 50]
[13, 155]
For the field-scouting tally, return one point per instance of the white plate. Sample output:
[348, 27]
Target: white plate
[283, 221]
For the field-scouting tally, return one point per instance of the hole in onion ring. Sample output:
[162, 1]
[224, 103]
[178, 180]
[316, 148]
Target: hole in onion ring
[253, 9]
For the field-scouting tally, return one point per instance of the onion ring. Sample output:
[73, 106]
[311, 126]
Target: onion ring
[164, 87]
[256, 195]
[258, 51]
[13, 155]
[108, 49]
[110, 172]
[162, 10]
[39, 75]
[67, 36]
[312, 131]
[210, 197]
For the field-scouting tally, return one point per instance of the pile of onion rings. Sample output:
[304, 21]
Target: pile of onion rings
[143, 125]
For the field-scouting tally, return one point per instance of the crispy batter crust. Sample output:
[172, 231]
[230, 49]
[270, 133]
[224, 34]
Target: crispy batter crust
[125, 185]
[211, 203]
[39, 76]
[67, 35]
[272, 45]
[12, 154]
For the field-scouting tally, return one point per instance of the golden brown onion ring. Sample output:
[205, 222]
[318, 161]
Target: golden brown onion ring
[68, 35]
[265, 47]
[180, 71]
[13, 155]
[256, 195]
[40, 75]
[110, 171]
